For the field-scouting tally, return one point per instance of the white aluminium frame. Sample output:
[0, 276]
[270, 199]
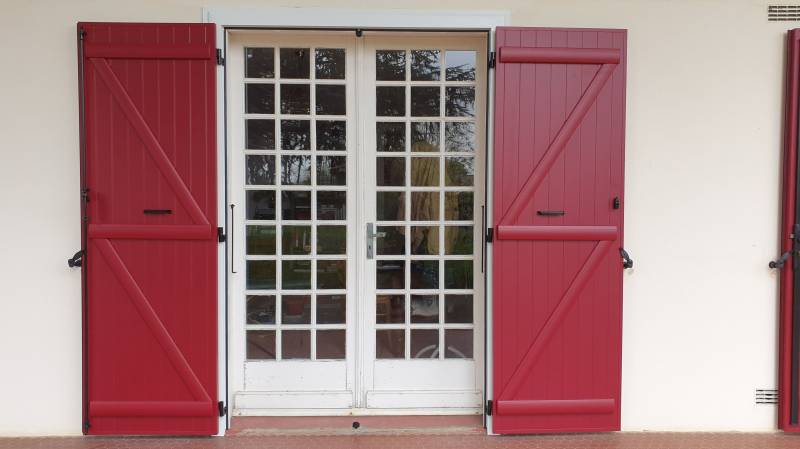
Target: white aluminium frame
[342, 18]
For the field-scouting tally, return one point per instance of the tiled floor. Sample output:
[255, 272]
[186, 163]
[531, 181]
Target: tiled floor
[400, 440]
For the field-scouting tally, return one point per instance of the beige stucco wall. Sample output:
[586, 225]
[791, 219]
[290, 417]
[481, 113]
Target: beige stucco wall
[703, 161]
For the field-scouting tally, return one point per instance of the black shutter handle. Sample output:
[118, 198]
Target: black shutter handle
[76, 260]
[550, 213]
[627, 262]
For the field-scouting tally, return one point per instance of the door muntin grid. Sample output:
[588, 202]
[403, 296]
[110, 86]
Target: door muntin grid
[425, 203]
[296, 194]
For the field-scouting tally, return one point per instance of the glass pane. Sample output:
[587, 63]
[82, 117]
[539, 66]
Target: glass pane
[458, 343]
[425, 101]
[460, 65]
[458, 309]
[296, 170]
[424, 206]
[261, 345]
[331, 135]
[261, 275]
[391, 274]
[425, 65]
[331, 99]
[458, 274]
[260, 134]
[458, 240]
[390, 309]
[331, 239]
[424, 274]
[331, 205]
[390, 65]
[331, 344]
[260, 240]
[460, 101]
[329, 63]
[424, 343]
[296, 239]
[425, 171]
[296, 309]
[458, 206]
[331, 274]
[296, 205]
[424, 308]
[425, 240]
[390, 206]
[295, 344]
[296, 274]
[295, 63]
[460, 136]
[295, 99]
[390, 344]
[260, 309]
[260, 205]
[259, 98]
[331, 170]
[295, 135]
[259, 62]
[393, 243]
[390, 171]
[459, 171]
[425, 136]
[390, 101]
[390, 136]
[331, 309]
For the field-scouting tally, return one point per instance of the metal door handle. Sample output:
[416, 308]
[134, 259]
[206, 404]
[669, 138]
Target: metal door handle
[371, 236]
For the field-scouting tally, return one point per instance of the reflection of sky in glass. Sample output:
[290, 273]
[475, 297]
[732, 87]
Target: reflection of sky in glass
[460, 65]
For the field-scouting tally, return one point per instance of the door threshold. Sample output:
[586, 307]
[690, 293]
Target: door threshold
[355, 425]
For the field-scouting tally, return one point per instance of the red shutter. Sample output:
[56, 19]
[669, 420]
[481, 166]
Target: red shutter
[789, 352]
[151, 262]
[558, 161]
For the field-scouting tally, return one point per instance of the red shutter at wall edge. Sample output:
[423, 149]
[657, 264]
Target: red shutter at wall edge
[559, 141]
[150, 237]
[789, 344]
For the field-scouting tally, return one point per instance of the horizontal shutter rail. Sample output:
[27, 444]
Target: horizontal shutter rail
[594, 233]
[153, 232]
[149, 51]
[150, 408]
[559, 55]
[556, 407]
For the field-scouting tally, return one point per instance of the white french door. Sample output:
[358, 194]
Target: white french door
[355, 180]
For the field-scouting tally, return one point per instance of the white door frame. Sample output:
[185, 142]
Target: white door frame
[229, 17]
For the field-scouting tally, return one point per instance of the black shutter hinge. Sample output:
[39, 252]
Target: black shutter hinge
[86, 427]
[489, 407]
[489, 235]
[223, 409]
[221, 235]
[220, 59]
[492, 60]
[85, 195]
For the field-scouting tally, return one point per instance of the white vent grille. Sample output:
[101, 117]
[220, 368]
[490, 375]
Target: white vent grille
[766, 396]
[783, 13]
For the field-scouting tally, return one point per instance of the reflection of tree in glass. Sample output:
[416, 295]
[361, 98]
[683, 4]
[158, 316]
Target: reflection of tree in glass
[460, 66]
[460, 136]
[458, 240]
[295, 135]
[459, 171]
[425, 65]
[330, 63]
[331, 135]
[425, 136]
[390, 65]
[460, 101]
[296, 169]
